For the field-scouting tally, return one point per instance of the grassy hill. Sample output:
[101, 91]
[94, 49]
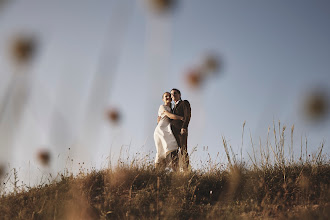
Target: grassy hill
[297, 191]
[271, 186]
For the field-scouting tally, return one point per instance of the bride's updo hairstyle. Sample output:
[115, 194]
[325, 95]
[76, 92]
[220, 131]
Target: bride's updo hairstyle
[165, 93]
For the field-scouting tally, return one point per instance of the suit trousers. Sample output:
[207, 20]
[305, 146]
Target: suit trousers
[183, 154]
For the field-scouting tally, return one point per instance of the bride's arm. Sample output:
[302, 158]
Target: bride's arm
[173, 116]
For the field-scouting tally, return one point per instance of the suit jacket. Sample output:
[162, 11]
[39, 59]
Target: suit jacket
[182, 109]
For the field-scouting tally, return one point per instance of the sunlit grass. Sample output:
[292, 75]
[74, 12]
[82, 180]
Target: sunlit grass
[270, 185]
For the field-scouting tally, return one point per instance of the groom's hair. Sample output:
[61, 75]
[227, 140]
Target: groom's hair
[178, 91]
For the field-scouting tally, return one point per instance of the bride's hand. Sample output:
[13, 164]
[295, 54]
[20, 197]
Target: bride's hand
[181, 118]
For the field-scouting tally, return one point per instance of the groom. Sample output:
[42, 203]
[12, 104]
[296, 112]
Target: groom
[180, 128]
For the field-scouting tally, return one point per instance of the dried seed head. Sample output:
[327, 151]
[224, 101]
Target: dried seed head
[23, 49]
[317, 105]
[113, 115]
[44, 157]
[211, 63]
[194, 78]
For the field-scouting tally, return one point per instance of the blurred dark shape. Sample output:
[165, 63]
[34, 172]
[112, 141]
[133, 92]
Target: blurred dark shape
[3, 2]
[317, 105]
[23, 48]
[194, 78]
[113, 115]
[2, 170]
[44, 157]
[161, 6]
[211, 63]
[197, 76]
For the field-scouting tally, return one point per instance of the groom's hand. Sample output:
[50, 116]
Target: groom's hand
[158, 119]
[183, 131]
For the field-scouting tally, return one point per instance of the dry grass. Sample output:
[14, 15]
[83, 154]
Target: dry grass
[278, 188]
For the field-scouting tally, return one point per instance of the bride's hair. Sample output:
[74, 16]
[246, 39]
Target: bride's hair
[164, 94]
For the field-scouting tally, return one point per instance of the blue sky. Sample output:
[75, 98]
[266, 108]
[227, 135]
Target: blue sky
[95, 55]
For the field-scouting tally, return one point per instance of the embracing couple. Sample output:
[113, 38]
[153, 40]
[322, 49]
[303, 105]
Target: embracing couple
[171, 132]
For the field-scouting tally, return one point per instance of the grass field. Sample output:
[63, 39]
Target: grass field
[270, 186]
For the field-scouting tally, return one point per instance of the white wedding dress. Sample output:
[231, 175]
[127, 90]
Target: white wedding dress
[163, 136]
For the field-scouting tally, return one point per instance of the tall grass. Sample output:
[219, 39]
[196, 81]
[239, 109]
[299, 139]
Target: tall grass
[270, 185]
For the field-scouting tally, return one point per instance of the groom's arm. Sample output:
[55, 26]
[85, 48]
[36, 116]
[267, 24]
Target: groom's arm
[186, 114]
[173, 116]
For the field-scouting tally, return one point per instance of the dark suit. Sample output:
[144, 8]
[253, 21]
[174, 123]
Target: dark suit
[182, 109]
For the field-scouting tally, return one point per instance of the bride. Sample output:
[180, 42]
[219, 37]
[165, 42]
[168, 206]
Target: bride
[163, 136]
